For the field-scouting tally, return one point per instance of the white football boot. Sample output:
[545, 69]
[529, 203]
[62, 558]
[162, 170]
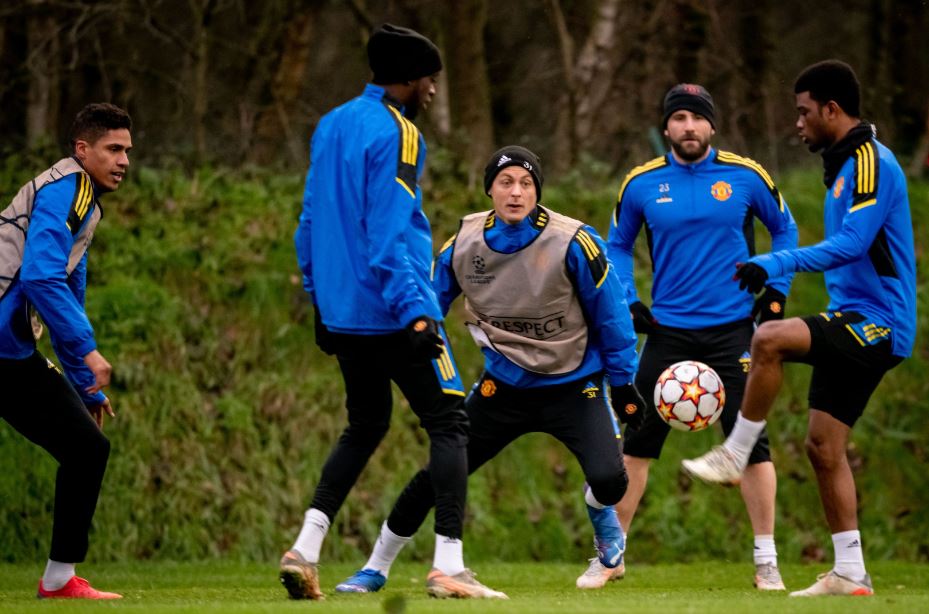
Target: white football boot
[597, 574]
[768, 578]
[718, 466]
[833, 584]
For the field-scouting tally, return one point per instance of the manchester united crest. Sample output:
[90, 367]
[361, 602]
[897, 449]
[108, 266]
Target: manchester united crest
[488, 388]
[721, 191]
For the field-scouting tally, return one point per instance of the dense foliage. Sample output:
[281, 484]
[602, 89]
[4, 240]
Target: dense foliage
[233, 81]
[227, 409]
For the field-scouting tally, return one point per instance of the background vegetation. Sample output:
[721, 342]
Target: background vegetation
[234, 81]
[227, 409]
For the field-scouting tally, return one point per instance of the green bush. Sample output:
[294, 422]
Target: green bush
[226, 409]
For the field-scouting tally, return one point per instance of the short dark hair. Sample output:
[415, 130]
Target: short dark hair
[96, 119]
[831, 80]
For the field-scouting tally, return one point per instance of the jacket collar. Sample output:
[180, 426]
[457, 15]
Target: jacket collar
[710, 156]
[378, 93]
[93, 184]
[835, 155]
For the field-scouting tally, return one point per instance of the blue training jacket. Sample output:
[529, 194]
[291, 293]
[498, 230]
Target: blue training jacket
[611, 346]
[699, 222]
[44, 283]
[867, 255]
[363, 242]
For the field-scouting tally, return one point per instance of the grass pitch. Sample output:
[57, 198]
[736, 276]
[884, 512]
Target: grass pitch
[533, 587]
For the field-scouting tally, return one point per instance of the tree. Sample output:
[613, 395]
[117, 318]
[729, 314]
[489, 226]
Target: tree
[42, 62]
[469, 90]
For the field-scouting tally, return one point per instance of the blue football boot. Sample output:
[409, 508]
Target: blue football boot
[363, 581]
[609, 538]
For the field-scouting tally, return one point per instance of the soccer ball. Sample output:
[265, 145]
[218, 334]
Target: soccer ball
[689, 396]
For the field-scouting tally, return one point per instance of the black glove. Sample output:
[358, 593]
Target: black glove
[642, 319]
[423, 333]
[324, 338]
[628, 405]
[769, 306]
[750, 276]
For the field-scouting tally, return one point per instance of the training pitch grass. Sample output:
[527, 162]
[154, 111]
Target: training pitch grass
[532, 587]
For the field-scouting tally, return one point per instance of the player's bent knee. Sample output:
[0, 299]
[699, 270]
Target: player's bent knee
[823, 454]
[92, 453]
[768, 341]
[452, 430]
[776, 340]
[364, 434]
[608, 488]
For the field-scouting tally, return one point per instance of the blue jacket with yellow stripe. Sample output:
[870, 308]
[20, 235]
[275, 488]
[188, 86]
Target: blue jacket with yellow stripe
[867, 256]
[699, 222]
[59, 211]
[363, 243]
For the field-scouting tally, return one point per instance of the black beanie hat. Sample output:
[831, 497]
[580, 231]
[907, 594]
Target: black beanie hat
[397, 54]
[514, 155]
[690, 97]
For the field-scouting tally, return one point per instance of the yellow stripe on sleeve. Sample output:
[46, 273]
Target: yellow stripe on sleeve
[405, 186]
[592, 250]
[866, 203]
[80, 206]
[862, 170]
[859, 159]
[409, 136]
[448, 243]
[584, 246]
[407, 141]
[728, 156]
[605, 273]
[865, 180]
[88, 197]
[411, 142]
[867, 169]
[415, 144]
[644, 168]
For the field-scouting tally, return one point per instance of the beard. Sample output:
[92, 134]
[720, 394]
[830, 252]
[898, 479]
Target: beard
[690, 152]
[815, 146]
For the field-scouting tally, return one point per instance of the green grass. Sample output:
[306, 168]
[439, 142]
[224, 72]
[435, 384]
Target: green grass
[532, 587]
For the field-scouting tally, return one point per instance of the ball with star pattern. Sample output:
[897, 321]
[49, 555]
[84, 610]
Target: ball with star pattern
[689, 396]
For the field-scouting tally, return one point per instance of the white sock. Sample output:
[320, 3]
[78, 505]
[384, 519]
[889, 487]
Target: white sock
[57, 575]
[765, 551]
[849, 559]
[310, 540]
[449, 556]
[743, 437]
[591, 500]
[386, 550]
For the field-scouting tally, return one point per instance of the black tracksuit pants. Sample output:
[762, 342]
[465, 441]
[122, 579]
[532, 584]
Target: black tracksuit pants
[576, 413]
[41, 405]
[369, 363]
